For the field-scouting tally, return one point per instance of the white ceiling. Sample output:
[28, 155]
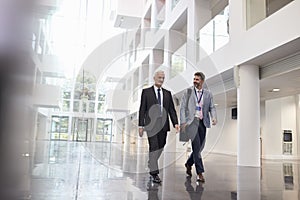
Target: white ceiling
[288, 83]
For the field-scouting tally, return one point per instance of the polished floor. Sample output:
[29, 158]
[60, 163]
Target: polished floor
[94, 171]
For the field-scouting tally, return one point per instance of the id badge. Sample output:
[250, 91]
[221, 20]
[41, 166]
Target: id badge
[198, 108]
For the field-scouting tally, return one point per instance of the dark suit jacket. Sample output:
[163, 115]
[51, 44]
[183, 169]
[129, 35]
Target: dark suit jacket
[150, 115]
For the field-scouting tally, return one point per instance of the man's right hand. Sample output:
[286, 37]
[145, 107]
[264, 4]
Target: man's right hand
[183, 126]
[141, 131]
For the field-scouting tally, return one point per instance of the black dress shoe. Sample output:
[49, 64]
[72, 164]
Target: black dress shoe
[188, 169]
[156, 179]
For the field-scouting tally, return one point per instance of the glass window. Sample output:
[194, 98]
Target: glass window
[55, 124]
[66, 106]
[76, 106]
[178, 65]
[64, 123]
[91, 107]
[174, 3]
[101, 97]
[100, 107]
[67, 95]
[84, 106]
[214, 34]
[274, 5]
[257, 10]
[85, 86]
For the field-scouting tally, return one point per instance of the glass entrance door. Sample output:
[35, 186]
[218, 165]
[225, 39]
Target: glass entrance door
[104, 130]
[82, 129]
[59, 128]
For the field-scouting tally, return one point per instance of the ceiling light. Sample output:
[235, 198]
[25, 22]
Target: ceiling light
[216, 104]
[275, 90]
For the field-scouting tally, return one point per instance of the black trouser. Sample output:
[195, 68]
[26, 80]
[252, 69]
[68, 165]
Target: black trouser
[198, 143]
[156, 145]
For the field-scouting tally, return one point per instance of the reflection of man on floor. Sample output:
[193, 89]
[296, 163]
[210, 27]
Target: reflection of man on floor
[152, 191]
[195, 194]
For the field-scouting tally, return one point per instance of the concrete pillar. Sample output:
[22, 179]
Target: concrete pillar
[168, 9]
[191, 46]
[154, 15]
[127, 134]
[297, 100]
[167, 57]
[248, 106]
[126, 147]
[151, 68]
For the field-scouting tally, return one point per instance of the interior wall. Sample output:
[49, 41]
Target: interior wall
[42, 133]
[222, 138]
[280, 115]
[276, 115]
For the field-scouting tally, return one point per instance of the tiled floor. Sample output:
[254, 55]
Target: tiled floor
[92, 171]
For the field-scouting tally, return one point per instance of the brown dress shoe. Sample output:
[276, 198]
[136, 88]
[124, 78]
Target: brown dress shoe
[188, 169]
[200, 178]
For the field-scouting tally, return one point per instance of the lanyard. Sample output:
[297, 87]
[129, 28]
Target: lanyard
[198, 100]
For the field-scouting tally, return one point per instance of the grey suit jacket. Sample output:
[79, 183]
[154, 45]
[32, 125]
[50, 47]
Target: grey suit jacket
[208, 109]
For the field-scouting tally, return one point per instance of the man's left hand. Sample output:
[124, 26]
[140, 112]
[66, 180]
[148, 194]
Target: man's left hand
[214, 121]
[177, 127]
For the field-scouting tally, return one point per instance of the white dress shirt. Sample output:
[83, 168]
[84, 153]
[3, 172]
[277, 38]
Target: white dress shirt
[198, 113]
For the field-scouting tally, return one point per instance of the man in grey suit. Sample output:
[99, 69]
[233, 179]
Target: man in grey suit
[196, 110]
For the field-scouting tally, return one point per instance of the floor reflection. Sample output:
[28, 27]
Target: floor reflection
[70, 170]
[195, 193]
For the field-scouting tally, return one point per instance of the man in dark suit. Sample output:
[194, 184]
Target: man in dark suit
[156, 107]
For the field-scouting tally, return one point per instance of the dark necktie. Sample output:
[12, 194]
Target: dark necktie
[158, 97]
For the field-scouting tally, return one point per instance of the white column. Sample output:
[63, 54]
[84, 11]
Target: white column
[297, 101]
[167, 57]
[140, 84]
[70, 126]
[151, 68]
[248, 101]
[126, 147]
[154, 14]
[191, 38]
[127, 134]
[168, 8]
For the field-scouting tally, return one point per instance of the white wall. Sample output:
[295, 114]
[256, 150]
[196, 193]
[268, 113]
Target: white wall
[42, 128]
[130, 7]
[118, 100]
[46, 95]
[223, 137]
[276, 115]
[297, 98]
[280, 115]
